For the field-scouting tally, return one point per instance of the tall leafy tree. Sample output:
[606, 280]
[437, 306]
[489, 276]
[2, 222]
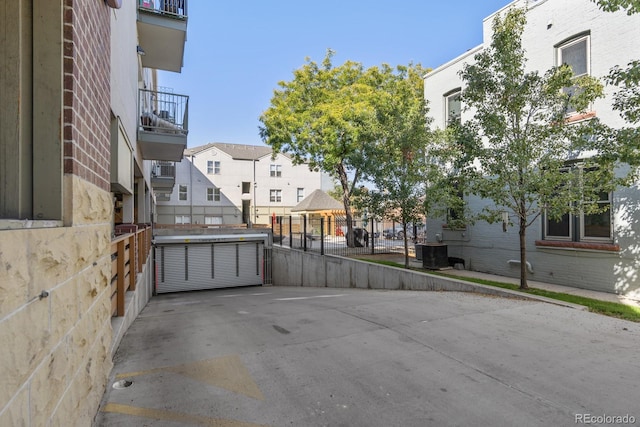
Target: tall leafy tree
[627, 98]
[630, 6]
[397, 157]
[520, 139]
[322, 117]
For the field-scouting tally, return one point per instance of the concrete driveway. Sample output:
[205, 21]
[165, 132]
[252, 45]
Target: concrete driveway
[276, 356]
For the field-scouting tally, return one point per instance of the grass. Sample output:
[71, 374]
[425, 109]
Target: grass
[607, 308]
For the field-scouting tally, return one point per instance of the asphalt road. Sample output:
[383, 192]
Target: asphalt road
[278, 356]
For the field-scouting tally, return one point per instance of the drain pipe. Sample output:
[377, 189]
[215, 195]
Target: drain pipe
[517, 261]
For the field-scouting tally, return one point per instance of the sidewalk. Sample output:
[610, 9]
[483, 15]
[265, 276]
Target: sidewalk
[602, 296]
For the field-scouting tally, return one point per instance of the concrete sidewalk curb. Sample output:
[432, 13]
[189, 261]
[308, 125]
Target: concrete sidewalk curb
[508, 293]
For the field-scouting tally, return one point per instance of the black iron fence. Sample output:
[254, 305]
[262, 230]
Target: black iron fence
[331, 235]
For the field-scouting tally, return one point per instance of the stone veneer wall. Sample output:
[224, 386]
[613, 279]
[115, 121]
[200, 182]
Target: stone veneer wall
[55, 357]
[55, 351]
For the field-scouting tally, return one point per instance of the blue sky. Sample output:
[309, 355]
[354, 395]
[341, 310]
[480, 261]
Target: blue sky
[237, 51]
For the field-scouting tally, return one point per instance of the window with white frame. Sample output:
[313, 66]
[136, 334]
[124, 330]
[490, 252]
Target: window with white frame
[275, 171]
[299, 194]
[212, 220]
[453, 107]
[213, 194]
[183, 219]
[576, 54]
[213, 167]
[583, 227]
[182, 192]
[275, 196]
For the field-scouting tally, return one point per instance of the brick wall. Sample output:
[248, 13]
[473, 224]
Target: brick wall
[87, 91]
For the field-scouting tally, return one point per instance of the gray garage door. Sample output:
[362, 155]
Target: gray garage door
[195, 266]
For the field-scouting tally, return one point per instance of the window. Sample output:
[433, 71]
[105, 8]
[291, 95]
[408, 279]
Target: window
[183, 219]
[275, 196]
[213, 168]
[455, 209]
[582, 227]
[300, 195]
[213, 194]
[182, 192]
[574, 53]
[597, 226]
[275, 171]
[453, 107]
[246, 187]
[212, 220]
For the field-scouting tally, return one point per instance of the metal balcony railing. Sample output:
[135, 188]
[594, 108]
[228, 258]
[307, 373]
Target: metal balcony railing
[175, 8]
[163, 112]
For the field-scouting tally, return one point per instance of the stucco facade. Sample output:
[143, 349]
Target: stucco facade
[609, 265]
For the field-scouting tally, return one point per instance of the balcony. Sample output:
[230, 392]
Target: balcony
[163, 126]
[163, 176]
[162, 33]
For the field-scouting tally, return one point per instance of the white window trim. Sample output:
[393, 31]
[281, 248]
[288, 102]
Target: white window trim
[584, 238]
[568, 43]
[571, 42]
[447, 96]
[548, 236]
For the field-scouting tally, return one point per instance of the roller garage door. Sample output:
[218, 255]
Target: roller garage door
[188, 263]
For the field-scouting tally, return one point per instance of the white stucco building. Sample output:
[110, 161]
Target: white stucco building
[221, 183]
[574, 252]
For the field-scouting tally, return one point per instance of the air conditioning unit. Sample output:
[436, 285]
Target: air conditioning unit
[434, 256]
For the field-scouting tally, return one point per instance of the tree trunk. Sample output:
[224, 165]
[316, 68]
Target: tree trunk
[523, 254]
[406, 245]
[346, 201]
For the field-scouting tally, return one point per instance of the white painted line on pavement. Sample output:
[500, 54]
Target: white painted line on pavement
[315, 296]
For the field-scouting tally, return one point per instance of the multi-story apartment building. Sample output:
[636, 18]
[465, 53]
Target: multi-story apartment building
[222, 183]
[574, 252]
[81, 122]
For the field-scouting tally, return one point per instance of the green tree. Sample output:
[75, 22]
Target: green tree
[627, 98]
[520, 140]
[398, 167]
[399, 151]
[630, 6]
[322, 117]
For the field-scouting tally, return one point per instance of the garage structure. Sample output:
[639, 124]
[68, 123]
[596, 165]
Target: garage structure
[210, 261]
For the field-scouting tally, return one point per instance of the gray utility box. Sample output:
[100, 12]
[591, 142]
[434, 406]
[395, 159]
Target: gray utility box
[434, 256]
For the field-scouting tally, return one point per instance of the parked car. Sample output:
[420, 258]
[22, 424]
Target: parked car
[397, 232]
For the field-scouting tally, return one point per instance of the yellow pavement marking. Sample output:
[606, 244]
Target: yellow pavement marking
[226, 372]
[162, 415]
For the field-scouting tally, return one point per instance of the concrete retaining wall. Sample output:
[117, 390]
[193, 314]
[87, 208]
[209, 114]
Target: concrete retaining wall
[298, 268]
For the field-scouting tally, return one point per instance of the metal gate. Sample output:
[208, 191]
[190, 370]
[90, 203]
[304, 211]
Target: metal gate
[188, 263]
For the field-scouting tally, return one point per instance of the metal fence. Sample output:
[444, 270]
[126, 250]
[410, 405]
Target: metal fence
[330, 235]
